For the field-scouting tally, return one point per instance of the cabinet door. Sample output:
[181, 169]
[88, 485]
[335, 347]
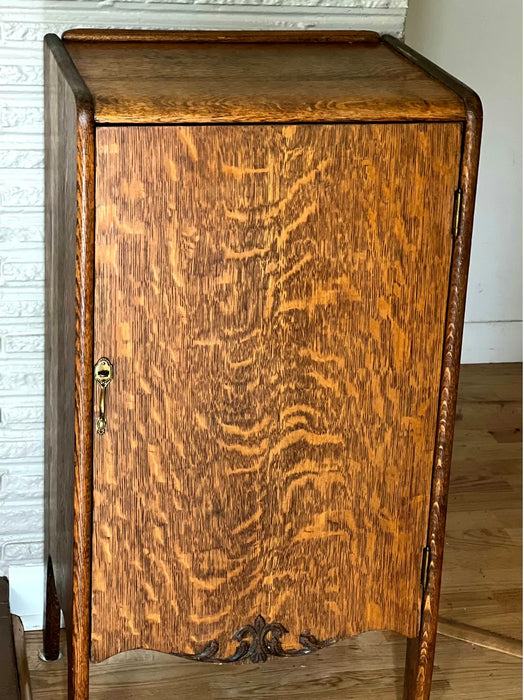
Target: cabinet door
[273, 299]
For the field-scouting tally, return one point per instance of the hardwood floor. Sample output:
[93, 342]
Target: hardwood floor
[481, 597]
[482, 575]
[371, 666]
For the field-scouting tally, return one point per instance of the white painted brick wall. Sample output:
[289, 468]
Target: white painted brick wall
[22, 27]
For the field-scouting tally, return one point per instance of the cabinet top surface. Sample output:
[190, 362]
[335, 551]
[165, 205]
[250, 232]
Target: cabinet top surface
[195, 77]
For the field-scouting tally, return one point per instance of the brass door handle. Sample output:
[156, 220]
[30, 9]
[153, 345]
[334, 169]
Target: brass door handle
[103, 376]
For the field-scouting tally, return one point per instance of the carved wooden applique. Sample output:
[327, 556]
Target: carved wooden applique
[259, 641]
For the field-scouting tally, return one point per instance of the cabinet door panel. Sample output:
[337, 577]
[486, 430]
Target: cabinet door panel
[273, 300]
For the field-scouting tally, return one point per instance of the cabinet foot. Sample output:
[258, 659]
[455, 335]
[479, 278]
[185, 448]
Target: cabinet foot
[51, 650]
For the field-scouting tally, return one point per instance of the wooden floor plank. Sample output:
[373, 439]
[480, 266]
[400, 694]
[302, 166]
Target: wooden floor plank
[368, 667]
[482, 576]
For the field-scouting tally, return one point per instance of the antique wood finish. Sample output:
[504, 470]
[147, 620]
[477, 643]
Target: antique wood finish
[420, 653]
[51, 637]
[294, 280]
[228, 37]
[481, 582]
[218, 82]
[69, 343]
[302, 258]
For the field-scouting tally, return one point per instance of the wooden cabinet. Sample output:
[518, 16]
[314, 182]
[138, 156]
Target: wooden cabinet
[266, 236]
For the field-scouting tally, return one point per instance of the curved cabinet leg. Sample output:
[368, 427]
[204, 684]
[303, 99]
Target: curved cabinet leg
[418, 670]
[51, 650]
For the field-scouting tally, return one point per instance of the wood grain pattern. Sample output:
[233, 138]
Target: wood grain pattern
[69, 348]
[229, 37]
[184, 82]
[370, 81]
[482, 574]
[418, 681]
[60, 159]
[273, 299]
[22, 666]
[364, 668]
[478, 578]
[480, 637]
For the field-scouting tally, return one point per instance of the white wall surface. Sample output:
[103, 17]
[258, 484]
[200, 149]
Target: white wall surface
[22, 26]
[480, 42]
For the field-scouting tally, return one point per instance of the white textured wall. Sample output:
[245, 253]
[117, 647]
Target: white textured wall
[480, 42]
[22, 26]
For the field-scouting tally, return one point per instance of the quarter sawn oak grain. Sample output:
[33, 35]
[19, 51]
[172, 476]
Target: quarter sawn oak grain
[214, 82]
[273, 300]
[233, 83]
[485, 494]
[420, 655]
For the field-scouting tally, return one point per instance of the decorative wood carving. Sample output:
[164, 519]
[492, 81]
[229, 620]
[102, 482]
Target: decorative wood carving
[305, 294]
[257, 642]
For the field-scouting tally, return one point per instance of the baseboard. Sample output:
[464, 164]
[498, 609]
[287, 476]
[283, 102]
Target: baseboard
[492, 341]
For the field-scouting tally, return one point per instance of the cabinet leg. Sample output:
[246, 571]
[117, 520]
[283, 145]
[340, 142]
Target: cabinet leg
[77, 672]
[51, 650]
[418, 669]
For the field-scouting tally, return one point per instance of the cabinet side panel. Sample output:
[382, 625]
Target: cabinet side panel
[69, 347]
[273, 300]
[60, 255]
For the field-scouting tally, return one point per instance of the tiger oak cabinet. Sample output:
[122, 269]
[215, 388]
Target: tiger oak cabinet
[257, 252]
